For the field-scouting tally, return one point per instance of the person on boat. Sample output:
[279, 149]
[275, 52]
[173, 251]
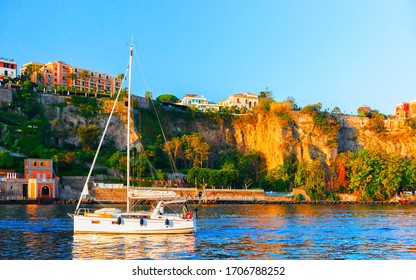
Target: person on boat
[161, 208]
[184, 210]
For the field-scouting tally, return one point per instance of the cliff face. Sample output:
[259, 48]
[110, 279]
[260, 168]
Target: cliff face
[275, 134]
[398, 138]
[65, 121]
[275, 139]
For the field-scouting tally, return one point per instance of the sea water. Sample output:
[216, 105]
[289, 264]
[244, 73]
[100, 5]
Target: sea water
[240, 232]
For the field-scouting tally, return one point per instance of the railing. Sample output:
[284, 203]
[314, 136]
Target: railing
[12, 197]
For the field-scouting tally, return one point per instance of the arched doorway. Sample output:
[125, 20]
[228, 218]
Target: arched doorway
[45, 191]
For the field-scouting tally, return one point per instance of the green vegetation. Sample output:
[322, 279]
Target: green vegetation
[371, 175]
[167, 98]
[368, 174]
[376, 122]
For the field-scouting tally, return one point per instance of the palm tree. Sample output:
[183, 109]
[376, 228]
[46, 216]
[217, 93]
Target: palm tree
[119, 78]
[34, 69]
[148, 94]
[71, 77]
[28, 70]
[37, 70]
[85, 77]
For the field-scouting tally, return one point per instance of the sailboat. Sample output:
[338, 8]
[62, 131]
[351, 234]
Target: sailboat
[169, 216]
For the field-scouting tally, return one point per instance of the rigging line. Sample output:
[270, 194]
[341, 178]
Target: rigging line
[171, 160]
[85, 188]
[141, 71]
[172, 163]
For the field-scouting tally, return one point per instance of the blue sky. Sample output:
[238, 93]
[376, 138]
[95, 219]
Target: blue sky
[340, 53]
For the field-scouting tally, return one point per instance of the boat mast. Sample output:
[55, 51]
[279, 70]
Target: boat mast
[128, 129]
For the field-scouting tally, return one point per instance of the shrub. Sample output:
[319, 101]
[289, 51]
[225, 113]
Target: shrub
[299, 197]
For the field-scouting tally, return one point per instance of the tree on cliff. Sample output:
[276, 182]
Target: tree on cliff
[6, 159]
[118, 161]
[148, 94]
[89, 136]
[175, 148]
[196, 149]
[266, 93]
[366, 167]
[364, 111]
[282, 177]
[312, 177]
[376, 122]
[265, 99]
[167, 98]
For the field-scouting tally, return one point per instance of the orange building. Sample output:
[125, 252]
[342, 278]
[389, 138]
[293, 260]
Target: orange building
[59, 73]
[42, 183]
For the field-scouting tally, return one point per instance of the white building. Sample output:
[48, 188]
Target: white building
[240, 100]
[193, 100]
[199, 102]
[8, 68]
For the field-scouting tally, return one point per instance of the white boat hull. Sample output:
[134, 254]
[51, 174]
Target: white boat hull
[116, 225]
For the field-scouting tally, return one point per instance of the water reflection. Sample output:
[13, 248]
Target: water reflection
[95, 246]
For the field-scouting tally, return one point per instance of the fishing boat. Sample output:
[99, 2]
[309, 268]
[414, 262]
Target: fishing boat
[169, 216]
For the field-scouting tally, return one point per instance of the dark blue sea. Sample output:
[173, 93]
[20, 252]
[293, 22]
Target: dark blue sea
[240, 232]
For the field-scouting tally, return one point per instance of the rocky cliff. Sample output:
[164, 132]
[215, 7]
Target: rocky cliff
[274, 133]
[276, 137]
[65, 120]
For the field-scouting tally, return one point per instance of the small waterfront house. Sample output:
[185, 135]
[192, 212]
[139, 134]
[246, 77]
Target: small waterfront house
[38, 182]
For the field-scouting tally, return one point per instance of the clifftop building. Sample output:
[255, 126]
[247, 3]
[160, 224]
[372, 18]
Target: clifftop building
[59, 73]
[8, 68]
[240, 100]
[406, 110]
[199, 102]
